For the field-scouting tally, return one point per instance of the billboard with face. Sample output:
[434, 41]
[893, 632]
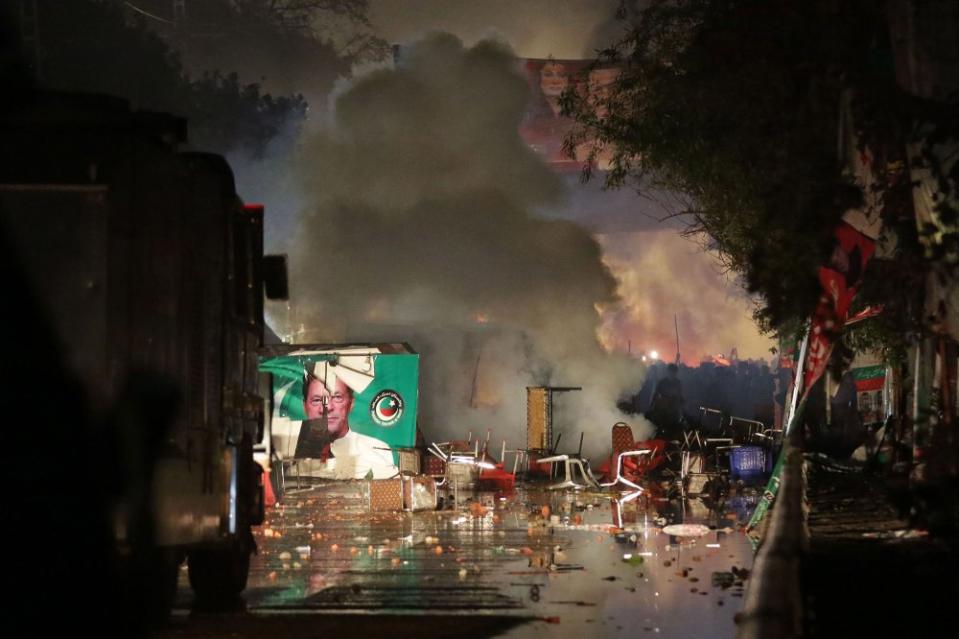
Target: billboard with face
[347, 409]
[545, 127]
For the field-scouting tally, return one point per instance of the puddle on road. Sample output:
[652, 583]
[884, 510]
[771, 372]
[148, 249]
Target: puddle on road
[573, 562]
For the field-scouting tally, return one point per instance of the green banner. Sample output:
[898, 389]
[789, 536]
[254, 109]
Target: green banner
[772, 487]
[378, 393]
[868, 372]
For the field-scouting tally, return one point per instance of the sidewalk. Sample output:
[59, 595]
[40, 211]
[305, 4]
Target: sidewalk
[867, 572]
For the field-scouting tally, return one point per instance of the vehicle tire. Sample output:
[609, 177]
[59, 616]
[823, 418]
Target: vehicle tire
[165, 572]
[219, 575]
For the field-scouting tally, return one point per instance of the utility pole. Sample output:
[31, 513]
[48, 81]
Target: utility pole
[676, 326]
[180, 27]
[179, 11]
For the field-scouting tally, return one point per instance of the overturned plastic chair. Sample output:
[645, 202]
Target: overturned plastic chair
[643, 455]
[571, 463]
[624, 448]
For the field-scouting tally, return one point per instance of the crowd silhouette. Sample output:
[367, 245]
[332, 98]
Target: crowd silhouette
[747, 389]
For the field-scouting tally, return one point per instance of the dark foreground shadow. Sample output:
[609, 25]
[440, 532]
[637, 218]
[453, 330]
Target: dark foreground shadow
[290, 625]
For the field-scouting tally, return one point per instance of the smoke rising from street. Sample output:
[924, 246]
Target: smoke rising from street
[419, 229]
[660, 274]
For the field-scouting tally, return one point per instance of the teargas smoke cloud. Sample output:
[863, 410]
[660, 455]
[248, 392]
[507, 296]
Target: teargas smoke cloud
[419, 229]
[714, 314]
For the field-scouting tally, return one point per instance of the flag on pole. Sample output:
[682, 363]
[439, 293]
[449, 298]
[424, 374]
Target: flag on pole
[839, 280]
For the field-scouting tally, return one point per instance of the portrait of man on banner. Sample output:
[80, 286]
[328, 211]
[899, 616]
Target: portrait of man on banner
[328, 399]
[342, 415]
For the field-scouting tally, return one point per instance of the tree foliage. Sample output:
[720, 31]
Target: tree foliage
[735, 103]
[307, 17]
[91, 46]
[290, 46]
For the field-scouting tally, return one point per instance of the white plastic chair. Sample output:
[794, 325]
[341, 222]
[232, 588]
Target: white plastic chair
[568, 464]
[620, 479]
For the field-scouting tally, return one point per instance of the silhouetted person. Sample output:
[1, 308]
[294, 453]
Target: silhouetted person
[667, 409]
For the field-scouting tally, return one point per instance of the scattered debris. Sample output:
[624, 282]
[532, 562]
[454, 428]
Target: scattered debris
[740, 573]
[723, 580]
[686, 530]
[479, 531]
[566, 567]
[478, 510]
[909, 533]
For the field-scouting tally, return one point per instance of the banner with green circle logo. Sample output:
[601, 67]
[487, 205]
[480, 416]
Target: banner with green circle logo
[383, 385]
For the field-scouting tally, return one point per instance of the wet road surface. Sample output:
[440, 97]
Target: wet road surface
[571, 564]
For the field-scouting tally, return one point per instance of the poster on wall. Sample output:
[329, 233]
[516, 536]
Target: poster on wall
[344, 411]
[869, 391]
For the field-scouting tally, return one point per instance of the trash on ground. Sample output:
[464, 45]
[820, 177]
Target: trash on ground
[686, 530]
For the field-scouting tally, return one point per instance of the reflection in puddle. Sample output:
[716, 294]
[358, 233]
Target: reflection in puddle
[596, 563]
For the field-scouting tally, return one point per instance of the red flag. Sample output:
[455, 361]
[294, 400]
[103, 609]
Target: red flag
[838, 280]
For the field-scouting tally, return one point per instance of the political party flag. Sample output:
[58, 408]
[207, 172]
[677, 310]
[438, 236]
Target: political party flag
[838, 280]
[869, 378]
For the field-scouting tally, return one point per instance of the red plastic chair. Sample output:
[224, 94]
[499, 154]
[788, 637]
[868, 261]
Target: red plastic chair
[622, 438]
[634, 466]
[648, 463]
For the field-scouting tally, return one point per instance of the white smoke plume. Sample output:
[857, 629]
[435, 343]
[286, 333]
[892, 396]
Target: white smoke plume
[420, 229]
[662, 274]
